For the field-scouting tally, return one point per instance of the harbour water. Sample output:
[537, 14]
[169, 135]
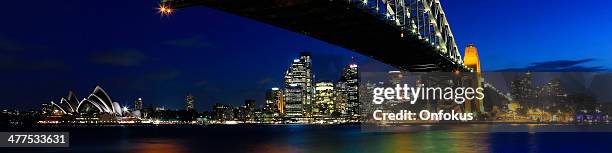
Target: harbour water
[316, 139]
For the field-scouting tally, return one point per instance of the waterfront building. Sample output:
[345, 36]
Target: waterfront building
[249, 108]
[96, 108]
[552, 97]
[138, 104]
[522, 91]
[324, 103]
[395, 77]
[274, 102]
[350, 75]
[299, 76]
[97, 102]
[365, 95]
[294, 96]
[223, 112]
[341, 96]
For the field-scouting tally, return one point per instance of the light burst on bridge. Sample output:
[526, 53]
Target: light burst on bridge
[164, 10]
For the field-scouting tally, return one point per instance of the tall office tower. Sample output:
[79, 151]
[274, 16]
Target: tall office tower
[324, 98]
[350, 75]
[299, 75]
[522, 90]
[294, 97]
[341, 96]
[274, 101]
[552, 96]
[249, 109]
[189, 102]
[138, 104]
[471, 60]
[555, 88]
[395, 77]
[365, 96]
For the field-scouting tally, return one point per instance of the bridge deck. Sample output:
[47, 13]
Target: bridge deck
[341, 24]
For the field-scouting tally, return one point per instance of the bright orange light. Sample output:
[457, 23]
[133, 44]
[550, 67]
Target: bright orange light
[470, 59]
[164, 10]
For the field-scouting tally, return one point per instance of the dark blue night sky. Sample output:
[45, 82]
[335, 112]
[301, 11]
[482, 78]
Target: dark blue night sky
[50, 47]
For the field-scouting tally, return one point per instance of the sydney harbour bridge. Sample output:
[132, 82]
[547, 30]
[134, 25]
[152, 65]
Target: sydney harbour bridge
[412, 35]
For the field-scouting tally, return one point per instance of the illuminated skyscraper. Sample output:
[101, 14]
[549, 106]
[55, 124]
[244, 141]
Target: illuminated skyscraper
[299, 77]
[522, 90]
[552, 96]
[365, 95]
[294, 96]
[324, 98]
[189, 102]
[395, 77]
[274, 101]
[341, 97]
[350, 76]
[138, 104]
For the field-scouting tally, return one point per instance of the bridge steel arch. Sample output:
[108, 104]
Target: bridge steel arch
[413, 35]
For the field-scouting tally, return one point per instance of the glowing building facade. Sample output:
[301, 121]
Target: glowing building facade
[299, 89]
[350, 75]
[274, 102]
[138, 104]
[341, 96]
[324, 103]
[294, 95]
[97, 102]
[523, 91]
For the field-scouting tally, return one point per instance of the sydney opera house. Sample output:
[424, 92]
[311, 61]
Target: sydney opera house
[98, 103]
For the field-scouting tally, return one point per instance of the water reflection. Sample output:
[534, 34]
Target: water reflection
[322, 140]
[275, 148]
[434, 141]
[405, 142]
[158, 146]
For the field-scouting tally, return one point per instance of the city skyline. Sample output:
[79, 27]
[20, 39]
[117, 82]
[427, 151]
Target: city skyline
[306, 76]
[67, 51]
[305, 100]
[347, 81]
